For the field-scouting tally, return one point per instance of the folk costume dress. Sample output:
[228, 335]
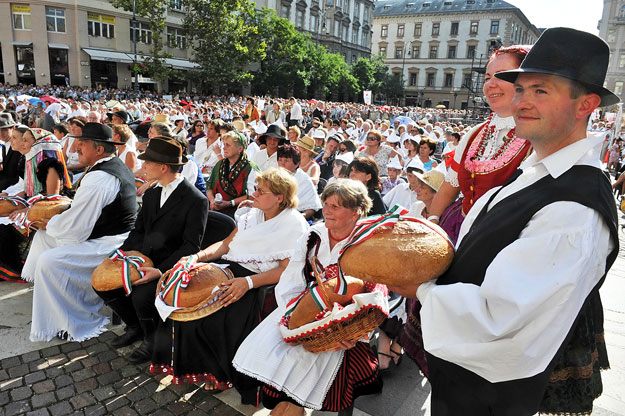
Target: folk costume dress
[203, 349]
[230, 181]
[330, 381]
[486, 157]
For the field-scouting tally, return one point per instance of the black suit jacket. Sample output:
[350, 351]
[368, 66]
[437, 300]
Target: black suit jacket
[167, 233]
[9, 175]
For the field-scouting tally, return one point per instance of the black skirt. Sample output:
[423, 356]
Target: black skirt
[203, 350]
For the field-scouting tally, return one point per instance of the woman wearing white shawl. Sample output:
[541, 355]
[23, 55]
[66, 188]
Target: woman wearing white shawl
[257, 252]
[294, 377]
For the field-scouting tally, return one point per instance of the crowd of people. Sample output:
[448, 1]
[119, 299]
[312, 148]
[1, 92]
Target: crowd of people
[512, 328]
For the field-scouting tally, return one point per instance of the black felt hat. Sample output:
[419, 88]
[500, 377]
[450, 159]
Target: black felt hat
[121, 114]
[571, 54]
[98, 132]
[6, 120]
[274, 131]
[164, 150]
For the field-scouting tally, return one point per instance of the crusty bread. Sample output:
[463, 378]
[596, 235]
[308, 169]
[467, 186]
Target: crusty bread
[108, 275]
[203, 281]
[47, 209]
[307, 309]
[409, 253]
[7, 207]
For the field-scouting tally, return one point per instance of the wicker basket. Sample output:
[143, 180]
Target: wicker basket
[328, 335]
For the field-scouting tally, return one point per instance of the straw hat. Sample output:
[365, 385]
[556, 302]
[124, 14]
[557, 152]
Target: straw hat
[161, 118]
[307, 143]
[433, 178]
[239, 125]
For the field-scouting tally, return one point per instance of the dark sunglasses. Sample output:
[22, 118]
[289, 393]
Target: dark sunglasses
[342, 149]
[372, 138]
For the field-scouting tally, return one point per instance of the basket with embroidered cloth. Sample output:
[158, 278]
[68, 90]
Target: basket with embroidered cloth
[396, 250]
[120, 269]
[8, 204]
[192, 291]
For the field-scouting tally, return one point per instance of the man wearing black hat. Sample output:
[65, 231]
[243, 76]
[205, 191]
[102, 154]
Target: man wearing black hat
[515, 326]
[170, 225]
[63, 256]
[9, 158]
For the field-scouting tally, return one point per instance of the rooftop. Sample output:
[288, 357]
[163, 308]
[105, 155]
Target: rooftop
[404, 7]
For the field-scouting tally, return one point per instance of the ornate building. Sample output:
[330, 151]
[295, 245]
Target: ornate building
[612, 30]
[439, 48]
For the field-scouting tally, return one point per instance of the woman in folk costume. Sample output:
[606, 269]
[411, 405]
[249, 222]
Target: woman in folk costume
[485, 157]
[293, 376]
[202, 349]
[44, 173]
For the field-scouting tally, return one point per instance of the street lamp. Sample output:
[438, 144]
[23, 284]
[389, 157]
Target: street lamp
[403, 65]
[134, 41]
[455, 93]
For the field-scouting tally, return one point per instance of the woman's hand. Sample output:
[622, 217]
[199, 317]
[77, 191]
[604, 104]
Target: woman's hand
[220, 205]
[19, 215]
[149, 274]
[143, 188]
[233, 290]
[192, 259]
[248, 203]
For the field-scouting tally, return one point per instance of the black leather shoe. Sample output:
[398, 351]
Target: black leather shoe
[141, 355]
[131, 335]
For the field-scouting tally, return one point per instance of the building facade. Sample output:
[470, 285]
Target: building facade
[439, 48]
[87, 43]
[342, 26]
[612, 30]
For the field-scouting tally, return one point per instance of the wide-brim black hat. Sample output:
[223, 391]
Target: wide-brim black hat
[98, 132]
[572, 54]
[121, 114]
[164, 150]
[274, 131]
[6, 120]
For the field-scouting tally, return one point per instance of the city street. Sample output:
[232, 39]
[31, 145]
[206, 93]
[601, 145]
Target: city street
[92, 378]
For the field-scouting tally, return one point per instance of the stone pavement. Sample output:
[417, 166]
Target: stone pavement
[92, 378]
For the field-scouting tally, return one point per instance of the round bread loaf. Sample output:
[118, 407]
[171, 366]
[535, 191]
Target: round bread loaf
[47, 209]
[140, 182]
[108, 275]
[204, 279]
[7, 207]
[409, 253]
[307, 308]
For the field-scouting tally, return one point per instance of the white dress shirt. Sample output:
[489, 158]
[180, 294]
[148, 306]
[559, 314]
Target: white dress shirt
[169, 188]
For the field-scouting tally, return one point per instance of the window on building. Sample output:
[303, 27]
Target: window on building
[330, 2]
[416, 51]
[400, 31]
[55, 19]
[143, 32]
[383, 51]
[621, 61]
[399, 52]
[467, 81]
[21, 16]
[473, 28]
[354, 58]
[436, 28]
[346, 6]
[356, 10]
[494, 27]
[470, 51]
[328, 26]
[176, 38]
[384, 31]
[314, 20]
[101, 25]
[355, 36]
[413, 79]
[417, 30]
[175, 5]
[433, 51]
[449, 80]
[611, 35]
[430, 79]
[338, 4]
[345, 32]
[618, 88]
[451, 52]
[454, 28]
[299, 18]
[286, 11]
[365, 16]
[337, 28]
[365, 39]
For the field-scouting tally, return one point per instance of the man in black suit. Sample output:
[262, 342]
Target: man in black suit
[9, 162]
[169, 226]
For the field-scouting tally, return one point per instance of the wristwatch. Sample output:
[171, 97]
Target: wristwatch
[232, 202]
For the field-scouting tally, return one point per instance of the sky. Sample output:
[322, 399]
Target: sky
[578, 14]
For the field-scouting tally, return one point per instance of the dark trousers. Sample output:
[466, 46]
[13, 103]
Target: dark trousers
[138, 305]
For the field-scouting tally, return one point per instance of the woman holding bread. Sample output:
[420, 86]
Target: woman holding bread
[256, 252]
[295, 378]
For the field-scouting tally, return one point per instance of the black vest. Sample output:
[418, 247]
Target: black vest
[491, 232]
[119, 216]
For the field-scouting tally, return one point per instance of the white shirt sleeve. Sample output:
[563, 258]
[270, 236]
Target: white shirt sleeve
[190, 171]
[511, 326]
[97, 190]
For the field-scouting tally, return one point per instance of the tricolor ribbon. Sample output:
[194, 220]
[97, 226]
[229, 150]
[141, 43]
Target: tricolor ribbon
[15, 200]
[127, 261]
[178, 279]
[141, 180]
[315, 292]
[24, 223]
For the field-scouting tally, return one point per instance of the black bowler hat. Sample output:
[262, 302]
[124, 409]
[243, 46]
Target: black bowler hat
[98, 132]
[121, 114]
[164, 150]
[571, 54]
[274, 131]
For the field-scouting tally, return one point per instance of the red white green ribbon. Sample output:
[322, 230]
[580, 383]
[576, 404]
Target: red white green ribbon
[127, 261]
[15, 200]
[24, 223]
[315, 292]
[141, 180]
[178, 279]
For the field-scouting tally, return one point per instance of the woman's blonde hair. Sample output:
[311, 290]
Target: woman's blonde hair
[280, 182]
[296, 130]
[236, 139]
[351, 194]
[123, 131]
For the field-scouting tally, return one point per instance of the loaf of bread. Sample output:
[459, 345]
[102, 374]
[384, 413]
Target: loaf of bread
[44, 210]
[7, 207]
[108, 275]
[307, 308]
[409, 253]
[204, 279]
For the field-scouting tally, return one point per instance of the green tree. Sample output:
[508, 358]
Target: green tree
[225, 39]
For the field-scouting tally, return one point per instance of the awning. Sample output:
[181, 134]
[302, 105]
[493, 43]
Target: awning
[57, 45]
[180, 63]
[21, 43]
[103, 55]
